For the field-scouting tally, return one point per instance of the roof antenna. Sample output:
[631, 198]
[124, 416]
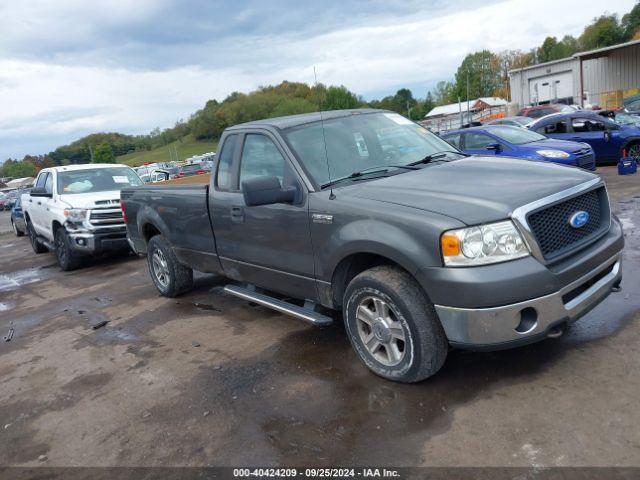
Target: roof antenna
[324, 138]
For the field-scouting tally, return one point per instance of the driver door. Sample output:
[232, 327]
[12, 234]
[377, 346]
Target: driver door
[266, 245]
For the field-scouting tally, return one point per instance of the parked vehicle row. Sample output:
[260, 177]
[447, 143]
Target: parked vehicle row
[418, 245]
[509, 141]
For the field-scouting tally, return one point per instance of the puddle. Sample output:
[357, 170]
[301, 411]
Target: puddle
[13, 280]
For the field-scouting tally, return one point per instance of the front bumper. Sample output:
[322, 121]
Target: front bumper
[532, 320]
[84, 243]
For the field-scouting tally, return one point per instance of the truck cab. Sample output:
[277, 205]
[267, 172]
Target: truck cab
[74, 211]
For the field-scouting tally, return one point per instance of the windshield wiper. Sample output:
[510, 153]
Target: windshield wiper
[435, 156]
[368, 171]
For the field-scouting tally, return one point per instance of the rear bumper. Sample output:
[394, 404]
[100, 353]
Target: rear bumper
[519, 323]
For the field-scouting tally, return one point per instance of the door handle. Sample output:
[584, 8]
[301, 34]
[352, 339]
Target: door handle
[237, 214]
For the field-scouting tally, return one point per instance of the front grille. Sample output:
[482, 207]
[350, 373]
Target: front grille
[554, 234]
[586, 161]
[103, 217]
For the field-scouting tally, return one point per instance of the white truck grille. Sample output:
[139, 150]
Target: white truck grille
[109, 217]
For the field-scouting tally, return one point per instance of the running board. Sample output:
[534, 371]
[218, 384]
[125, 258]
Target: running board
[306, 314]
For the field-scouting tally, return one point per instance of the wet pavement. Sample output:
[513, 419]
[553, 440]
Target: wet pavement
[208, 379]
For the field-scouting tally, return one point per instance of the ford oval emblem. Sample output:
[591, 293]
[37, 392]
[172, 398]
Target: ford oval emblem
[579, 219]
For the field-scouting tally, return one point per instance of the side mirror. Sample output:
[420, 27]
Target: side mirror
[40, 192]
[494, 146]
[266, 191]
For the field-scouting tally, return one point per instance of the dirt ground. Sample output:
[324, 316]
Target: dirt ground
[208, 379]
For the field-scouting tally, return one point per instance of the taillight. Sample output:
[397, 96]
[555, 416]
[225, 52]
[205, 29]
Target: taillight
[181, 174]
[200, 172]
[124, 211]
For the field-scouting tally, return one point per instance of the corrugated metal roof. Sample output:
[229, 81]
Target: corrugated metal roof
[454, 108]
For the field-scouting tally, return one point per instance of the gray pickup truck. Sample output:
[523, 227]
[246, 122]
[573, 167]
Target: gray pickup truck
[420, 246]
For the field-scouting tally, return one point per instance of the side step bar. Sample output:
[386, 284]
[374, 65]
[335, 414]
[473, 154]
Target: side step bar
[306, 314]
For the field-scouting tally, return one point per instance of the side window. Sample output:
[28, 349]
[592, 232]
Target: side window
[41, 179]
[223, 175]
[587, 125]
[261, 158]
[557, 127]
[477, 141]
[454, 140]
[48, 183]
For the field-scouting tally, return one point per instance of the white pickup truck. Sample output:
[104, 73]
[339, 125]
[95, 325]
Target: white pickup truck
[75, 211]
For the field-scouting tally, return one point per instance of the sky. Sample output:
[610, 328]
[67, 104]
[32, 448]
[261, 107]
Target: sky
[71, 67]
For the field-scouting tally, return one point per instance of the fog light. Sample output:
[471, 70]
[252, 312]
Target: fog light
[82, 242]
[528, 320]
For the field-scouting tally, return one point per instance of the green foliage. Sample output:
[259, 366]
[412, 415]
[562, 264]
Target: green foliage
[551, 49]
[603, 32]
[338, 98]
[481, 72]
[630, 23]
[103, 154]
[18, 169]
[184, 148]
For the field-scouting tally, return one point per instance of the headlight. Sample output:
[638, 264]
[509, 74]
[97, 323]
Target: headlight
[481, 245]
[553, 153]
[75, 215]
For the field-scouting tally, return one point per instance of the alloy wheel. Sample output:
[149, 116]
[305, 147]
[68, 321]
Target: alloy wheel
[380, 331]
[160, 268]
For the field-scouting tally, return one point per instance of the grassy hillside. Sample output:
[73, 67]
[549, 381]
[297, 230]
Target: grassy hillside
[186, 148]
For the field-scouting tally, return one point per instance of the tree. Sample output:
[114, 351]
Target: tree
[18, 169]
[603, 32]
[338, 98]
[482, 71]
[103, 153]
[444, 93]
[630, 23]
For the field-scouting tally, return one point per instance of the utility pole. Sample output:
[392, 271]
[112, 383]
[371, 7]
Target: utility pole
[91, 153]
[468, 111]
[408, 110]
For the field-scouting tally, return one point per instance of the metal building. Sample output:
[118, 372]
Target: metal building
[608, 77]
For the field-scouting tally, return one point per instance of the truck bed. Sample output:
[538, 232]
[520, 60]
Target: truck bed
[180, 213]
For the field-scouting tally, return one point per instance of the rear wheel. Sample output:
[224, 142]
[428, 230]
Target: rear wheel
[633, 151]
[33, 238]
[19, 233]
[170, 277]
[66, 259]
[392, 326]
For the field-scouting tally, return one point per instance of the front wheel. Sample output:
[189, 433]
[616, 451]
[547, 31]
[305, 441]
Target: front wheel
[170, 277]
[392, 326]
[66, 259]
[633, 151]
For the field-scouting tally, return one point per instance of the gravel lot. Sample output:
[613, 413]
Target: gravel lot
[208, 379]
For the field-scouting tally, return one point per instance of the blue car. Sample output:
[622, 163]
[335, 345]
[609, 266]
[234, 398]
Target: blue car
[17, 218]
[607, 138]
[522, 143]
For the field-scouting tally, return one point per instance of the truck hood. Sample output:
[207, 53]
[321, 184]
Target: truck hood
[473, 190]
[92, 199]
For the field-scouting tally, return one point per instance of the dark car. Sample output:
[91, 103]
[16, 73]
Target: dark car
[512, 121]
[609, 140]
[539, 111]
[633, 107]
[193, 169]
[17, 217]
[5, 203]
[503, 140]
[365, 212]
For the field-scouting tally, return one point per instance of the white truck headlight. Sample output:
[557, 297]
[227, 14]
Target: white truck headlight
[75, 215]
[481, 245]
[553, 153]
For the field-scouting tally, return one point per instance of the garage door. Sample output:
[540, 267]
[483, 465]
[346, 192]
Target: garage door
[551, 87]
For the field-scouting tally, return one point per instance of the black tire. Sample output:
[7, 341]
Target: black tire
[16, 230]
[170, 277]
[33, 238]
[425, 346]
[66, 258]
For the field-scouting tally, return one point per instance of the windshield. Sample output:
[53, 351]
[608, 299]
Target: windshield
[96, 180]
[626, 119]
[516, 136]
[361, 142]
